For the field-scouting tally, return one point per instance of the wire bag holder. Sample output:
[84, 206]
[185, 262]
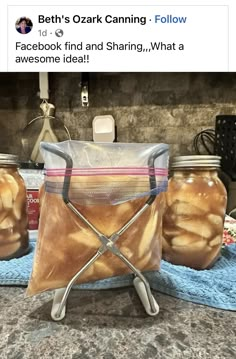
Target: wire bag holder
[107, 242]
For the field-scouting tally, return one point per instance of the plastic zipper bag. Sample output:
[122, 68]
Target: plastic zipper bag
[124, 179]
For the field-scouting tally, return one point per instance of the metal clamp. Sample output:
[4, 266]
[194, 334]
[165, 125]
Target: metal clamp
[108, 243]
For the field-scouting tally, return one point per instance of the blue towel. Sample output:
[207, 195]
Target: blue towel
[215, 287]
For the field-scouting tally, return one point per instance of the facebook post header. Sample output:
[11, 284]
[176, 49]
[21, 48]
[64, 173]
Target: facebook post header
[186, 36]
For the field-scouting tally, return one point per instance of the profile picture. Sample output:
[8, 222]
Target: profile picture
[24, 25]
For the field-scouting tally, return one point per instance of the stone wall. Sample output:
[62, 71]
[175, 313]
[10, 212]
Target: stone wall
[147, 107]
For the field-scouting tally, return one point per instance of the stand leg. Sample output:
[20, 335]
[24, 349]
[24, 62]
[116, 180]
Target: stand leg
[142, 287]
[144, 296]
[59, 293]
[61, 297]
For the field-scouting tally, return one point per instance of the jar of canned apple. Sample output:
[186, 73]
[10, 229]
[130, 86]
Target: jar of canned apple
[13, 210]
[193, 221]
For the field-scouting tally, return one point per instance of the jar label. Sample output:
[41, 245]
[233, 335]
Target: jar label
[33, 208]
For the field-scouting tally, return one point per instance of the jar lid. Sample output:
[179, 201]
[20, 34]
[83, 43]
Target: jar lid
[196, 161]
[8, 159]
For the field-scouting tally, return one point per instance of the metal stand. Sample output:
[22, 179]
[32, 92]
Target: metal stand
[107, 243]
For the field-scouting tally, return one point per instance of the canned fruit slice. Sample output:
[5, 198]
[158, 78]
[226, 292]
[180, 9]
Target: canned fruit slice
[199, 226]
[187, 239]
[197, 246]
[216, 241]
[185, 209]
[148, 234]
[6, 196]
[12, 183]
[7, 223]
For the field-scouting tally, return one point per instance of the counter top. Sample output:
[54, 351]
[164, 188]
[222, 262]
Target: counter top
[112, 325]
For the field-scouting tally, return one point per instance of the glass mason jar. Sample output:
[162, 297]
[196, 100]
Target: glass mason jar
[193, 221]
[13, 210]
